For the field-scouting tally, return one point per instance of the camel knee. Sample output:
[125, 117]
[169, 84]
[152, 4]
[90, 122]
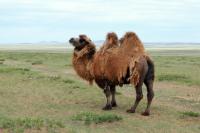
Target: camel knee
[139, 97]
[150, 95]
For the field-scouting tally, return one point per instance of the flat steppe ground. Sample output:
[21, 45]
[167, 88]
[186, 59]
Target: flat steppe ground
[40, 92]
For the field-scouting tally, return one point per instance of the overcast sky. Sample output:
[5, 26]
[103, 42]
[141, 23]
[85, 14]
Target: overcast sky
[58, 20]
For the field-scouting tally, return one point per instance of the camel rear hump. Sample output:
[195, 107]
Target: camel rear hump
[131, 44]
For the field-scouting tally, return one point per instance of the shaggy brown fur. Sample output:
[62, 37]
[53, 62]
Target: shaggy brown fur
[109, 57]
[81, 61]
[111, 42]
[115, 67]
[131, 44]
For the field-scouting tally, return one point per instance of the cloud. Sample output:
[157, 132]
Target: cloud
[90, 16]
[104, 10]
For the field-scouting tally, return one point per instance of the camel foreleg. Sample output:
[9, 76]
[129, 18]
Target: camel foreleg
[107, 93]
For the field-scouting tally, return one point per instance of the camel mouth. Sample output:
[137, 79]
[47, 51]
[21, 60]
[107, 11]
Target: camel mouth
[71, 40]
[74, 42]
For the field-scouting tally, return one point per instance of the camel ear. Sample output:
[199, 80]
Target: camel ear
[82, 36]
[85, 38]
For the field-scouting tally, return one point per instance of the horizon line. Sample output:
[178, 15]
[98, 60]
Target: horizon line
[97, 41]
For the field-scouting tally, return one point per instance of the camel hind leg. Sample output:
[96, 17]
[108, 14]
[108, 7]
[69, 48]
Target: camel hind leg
[150, 95]
[139, 96]
[149, 80]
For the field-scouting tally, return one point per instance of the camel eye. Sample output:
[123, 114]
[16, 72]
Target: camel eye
[81, 41]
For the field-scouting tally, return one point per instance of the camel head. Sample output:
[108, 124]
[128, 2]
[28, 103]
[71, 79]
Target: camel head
[83, 45]
[80, 42]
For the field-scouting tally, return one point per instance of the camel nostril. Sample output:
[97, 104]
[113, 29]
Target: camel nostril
[71, 40]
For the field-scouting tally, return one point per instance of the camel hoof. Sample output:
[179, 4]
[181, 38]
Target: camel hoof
[114, 104]
[107, 107]
[130, 111]
[145, 113]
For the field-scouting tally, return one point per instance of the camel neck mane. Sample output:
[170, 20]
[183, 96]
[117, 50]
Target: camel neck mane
[82, 62]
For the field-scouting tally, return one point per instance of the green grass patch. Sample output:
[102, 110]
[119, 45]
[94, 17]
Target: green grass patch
[69, 81]
[118, 93]
[37, 62]
[191, 114]
[74, 86]
[89, 117]
[28, 123]
[172, 77]
[10, 70]
[2, 60]
[54, 78]
[68, 65]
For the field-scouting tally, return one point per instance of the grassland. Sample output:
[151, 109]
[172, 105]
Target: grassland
[40, 92]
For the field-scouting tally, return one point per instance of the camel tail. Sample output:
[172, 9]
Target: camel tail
[151, 69]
